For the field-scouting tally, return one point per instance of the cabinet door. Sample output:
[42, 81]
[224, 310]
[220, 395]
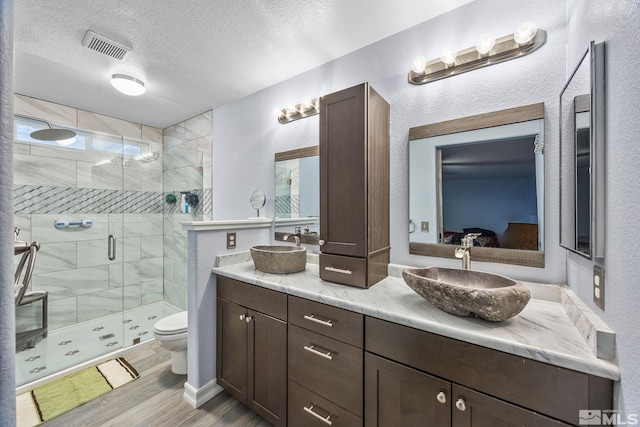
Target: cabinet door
[232, 348]
[267, 367]
[396, 395]
[343, 184]
[473, 409]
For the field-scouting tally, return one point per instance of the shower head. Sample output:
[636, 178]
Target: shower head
[52, 134]
[61, 136]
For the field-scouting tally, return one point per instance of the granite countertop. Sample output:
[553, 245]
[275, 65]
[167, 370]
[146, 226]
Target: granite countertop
[543, 331]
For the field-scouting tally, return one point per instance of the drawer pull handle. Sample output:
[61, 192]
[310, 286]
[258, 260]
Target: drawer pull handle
[311, 349]
[441, 397]
[313, 318]
[460, 404]
[320, 417]
[338, 270]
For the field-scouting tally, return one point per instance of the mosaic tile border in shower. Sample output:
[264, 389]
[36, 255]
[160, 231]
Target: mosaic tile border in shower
[33, 199]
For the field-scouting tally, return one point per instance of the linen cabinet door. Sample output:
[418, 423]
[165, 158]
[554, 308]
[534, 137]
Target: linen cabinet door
[232, 348]
[473, 409]
[267, 367]
[396, 395]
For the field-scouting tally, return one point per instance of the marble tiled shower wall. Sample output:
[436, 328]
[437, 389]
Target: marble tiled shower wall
[60, 183]
[186, 167]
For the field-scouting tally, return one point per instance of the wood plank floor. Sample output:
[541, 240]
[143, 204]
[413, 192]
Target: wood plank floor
[155, 400]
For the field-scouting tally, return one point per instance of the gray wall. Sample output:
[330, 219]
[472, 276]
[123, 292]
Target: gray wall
[7, 317]
[618, 24]
[246, 135]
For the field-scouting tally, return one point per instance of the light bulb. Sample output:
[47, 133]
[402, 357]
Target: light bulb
[448, 55]
[291, 110]
[419, 64]
[485, 43]
[306, 103]
[277, 112]
[525, 33]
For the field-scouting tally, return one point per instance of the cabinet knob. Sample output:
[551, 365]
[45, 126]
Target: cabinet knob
[248, 319]
[460, 405]
[242, 317]
[321, 242]
[441, 397]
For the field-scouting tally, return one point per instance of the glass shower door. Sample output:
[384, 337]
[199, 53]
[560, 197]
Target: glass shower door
[70, 198]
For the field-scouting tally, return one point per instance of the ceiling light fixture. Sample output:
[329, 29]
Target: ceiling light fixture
[307, 108]
[488, 51]
[127, 84]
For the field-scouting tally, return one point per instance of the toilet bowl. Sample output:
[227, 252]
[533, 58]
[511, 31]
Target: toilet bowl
[171, 333]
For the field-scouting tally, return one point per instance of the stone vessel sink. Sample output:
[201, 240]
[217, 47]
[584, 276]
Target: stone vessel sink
[468, 293]
[279, 259]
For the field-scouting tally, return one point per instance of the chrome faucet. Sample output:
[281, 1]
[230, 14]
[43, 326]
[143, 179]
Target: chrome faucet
[463, 251]
[296, 235]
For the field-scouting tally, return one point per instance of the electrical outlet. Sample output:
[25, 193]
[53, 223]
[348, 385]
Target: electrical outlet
[598, 286]
[424, 226]
[231, 240]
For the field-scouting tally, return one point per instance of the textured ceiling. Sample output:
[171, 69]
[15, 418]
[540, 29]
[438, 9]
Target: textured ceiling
[193, 55]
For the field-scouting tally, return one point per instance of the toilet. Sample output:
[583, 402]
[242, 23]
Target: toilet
[171, 333]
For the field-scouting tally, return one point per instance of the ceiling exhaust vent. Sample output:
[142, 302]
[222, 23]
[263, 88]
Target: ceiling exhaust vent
[95, 41]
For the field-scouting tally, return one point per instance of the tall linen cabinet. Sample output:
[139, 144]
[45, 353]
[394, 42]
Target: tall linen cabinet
[354, 186]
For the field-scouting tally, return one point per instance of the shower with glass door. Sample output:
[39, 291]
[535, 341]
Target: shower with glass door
[95, 206]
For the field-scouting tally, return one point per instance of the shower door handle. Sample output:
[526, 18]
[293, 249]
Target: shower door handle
[111, 250]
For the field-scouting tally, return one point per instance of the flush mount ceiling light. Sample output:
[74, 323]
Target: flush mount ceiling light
[488, 51]
[127, 84]
[307, 108]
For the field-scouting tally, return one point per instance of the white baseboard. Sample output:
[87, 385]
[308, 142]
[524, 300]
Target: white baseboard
[197, 397]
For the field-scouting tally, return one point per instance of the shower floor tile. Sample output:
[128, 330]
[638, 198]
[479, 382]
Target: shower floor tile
[72, 345]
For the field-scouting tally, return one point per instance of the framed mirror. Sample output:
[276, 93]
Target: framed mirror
[297, 183]
[582, 156]
[480, 174]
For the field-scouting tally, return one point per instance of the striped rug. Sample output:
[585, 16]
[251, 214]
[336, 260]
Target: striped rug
[57, 397]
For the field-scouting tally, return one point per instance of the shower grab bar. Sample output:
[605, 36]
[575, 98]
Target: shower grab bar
[63, 223]
[111, 250]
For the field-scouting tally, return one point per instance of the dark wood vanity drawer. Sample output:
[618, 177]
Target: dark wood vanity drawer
[324, 319]
[344, 269]
[328, 367]
[266, 301]
[544, 388]
[303, 402]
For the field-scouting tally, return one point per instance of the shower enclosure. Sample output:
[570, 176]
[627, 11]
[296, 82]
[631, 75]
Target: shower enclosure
[98, 207]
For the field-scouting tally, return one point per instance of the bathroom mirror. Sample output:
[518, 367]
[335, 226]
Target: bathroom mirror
[258, 199]
[481, 174]
[297, 183]
[582, 156]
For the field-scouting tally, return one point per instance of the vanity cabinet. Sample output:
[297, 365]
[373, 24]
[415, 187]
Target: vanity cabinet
[325, 365]
[354, 186]
[252, 347]
[409, 368]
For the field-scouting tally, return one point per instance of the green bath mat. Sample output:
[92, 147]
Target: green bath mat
[57, 397]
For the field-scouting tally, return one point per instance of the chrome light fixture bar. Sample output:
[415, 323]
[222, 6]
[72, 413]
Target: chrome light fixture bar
[307, 108]
[525, 40]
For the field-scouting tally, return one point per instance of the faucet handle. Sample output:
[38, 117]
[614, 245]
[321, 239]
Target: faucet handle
[467, 240]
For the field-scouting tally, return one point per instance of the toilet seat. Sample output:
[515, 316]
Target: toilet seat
[172, 325]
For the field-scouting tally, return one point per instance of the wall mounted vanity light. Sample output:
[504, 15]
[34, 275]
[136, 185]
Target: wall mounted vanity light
[127, 84]
[308, 107]
[487, 51]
